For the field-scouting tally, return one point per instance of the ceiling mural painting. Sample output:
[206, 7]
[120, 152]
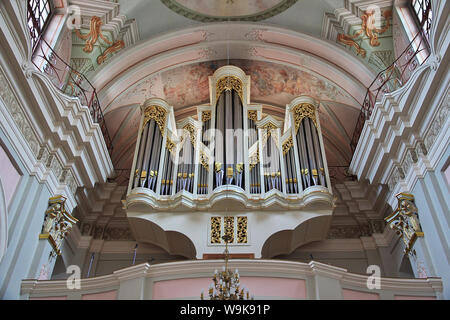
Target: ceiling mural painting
[271, 83]
[228, 10]
[93, 45]
[371, 39]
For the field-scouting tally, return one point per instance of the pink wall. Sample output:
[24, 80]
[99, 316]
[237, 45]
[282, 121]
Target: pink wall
[359, 295]
[413, 298]
[257, 286]
[9, 175]
[107, 295]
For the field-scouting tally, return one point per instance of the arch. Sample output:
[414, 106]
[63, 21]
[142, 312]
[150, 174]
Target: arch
[174, 242]
[285, 242]
[256, 42]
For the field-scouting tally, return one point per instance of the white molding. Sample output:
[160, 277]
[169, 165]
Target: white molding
[402, 132]
[247, 268]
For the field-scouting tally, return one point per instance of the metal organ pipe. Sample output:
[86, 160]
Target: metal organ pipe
[310, 151]
[154, 158]
[318, 152]
[219, 142]
[146, 160]
[303, 155]
[141, 151]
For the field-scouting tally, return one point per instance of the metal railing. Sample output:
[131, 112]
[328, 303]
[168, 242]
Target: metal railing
[392, 78]
[71, 82]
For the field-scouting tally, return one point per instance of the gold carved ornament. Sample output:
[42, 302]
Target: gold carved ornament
[287, 145]
[302, 111]
[254, 159]
[170, 145]
[215, 229]
[57, 223]
[229, 83]
[206, 116]
[242, 225]
[252, 115]
[191, 129]
[405, 221]
[229, 229]
[158, 114]
[268, 130]
[204, 160]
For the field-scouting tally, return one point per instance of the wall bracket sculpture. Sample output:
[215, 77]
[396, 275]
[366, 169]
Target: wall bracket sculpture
[405, 221]
[57, 224]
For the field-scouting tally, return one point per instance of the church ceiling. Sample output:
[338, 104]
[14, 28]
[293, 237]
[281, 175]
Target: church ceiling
[281, 64]
[229, 10]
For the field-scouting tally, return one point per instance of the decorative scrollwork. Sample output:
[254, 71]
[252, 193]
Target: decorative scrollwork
[215, 229]
[252, 115]
[57, 224]
[191, 129]
[254, 159]
[158, 114]
[270, 129]
[287, 145]
[170, 145]
[229, 229]
[304, 110]
[206, 116]
[229, 83]
[405, 221]
[204, 159]
[94, 34]
[242, 224]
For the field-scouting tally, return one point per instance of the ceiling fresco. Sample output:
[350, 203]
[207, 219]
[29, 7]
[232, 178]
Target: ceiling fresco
[271, 83]
[228, 10]
[371, 39]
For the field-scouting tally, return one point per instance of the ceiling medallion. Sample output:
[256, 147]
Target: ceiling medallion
[228, 10]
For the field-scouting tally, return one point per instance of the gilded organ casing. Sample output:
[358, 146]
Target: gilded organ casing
[231, 159]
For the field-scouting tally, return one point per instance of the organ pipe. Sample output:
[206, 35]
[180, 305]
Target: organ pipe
[287, 164]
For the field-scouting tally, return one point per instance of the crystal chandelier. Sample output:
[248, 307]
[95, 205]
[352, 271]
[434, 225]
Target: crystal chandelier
[225, 284]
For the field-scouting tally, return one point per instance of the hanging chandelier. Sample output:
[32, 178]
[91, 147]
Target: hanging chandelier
[226, 284]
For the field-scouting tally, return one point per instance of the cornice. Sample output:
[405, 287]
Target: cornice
[247, 268]
[140, 198]
[397, 145]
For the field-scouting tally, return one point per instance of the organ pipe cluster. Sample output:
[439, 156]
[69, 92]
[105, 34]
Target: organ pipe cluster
[230, 144]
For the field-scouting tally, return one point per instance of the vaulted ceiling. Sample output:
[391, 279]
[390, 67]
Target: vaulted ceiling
[288, 47]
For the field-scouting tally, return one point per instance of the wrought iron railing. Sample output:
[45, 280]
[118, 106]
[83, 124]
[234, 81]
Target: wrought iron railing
[72, 83]
[392, 78]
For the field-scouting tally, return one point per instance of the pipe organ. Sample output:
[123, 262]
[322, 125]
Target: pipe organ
[229, 146]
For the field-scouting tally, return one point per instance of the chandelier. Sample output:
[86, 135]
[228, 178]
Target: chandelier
[225, 284]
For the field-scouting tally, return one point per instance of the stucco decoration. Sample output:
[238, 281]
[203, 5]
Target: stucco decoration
[228, 10]
[405, 221]
[57, 224]
[366, 31]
